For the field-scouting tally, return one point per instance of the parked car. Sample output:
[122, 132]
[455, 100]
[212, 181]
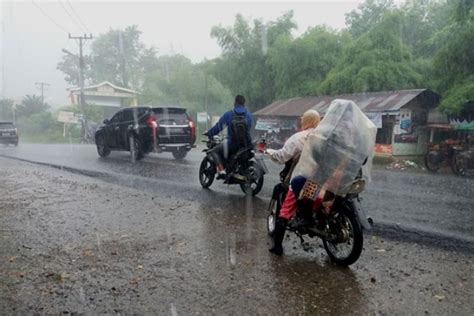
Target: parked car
[8, 133]
[142, 130]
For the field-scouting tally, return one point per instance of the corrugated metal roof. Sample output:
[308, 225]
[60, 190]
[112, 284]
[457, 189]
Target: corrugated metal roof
[385, 101]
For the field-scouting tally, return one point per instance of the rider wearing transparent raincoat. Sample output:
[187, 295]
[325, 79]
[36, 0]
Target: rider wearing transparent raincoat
[339, 149]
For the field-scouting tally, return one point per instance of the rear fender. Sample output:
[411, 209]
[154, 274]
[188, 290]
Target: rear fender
[260, 161]
[279, 190]
[209, 156]
[354, 206]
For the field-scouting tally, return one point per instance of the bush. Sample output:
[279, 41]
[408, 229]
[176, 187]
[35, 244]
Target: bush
[40, 127]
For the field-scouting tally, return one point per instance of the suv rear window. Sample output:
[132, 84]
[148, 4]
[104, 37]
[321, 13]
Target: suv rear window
[171, 116]
[4, 125]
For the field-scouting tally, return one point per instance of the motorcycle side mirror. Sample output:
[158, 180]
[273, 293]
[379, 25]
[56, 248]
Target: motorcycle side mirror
[365, 161]
[106, 121]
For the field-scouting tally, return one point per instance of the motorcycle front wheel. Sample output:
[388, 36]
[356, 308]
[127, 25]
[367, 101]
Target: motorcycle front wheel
[348, 248]
[432, 161]
[274, 211]
[458, 165]
[207, 171]
[254, 182]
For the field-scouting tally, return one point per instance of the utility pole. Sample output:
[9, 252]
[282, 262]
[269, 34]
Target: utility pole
[41, 85]
[82, 40]
[122, 61]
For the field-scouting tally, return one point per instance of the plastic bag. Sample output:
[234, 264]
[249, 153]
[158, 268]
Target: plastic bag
[339, 149]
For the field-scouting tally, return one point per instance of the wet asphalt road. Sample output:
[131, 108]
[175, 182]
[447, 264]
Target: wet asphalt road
[422, 204]
[75, 244]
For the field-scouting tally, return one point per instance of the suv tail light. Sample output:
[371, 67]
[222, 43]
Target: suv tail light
[151, 122]
[192, 126]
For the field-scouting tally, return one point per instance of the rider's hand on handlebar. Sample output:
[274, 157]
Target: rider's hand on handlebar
[269, 151]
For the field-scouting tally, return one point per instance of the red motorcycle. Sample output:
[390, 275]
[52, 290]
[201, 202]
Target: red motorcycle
[463, 158]
[441, 155]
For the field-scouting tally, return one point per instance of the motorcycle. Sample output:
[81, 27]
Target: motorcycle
[439, 155]
[244, 168]
[272, 140]
[338, 220]
[457, 154]
[463, 158]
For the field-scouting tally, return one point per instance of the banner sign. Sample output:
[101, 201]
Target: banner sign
[375, 117]
[202, 117]
[68, 117]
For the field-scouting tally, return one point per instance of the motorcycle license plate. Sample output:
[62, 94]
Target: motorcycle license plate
[261, 162]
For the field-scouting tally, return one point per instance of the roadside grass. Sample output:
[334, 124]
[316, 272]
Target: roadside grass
[50, 138]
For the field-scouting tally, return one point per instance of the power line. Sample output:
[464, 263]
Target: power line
[82, 40]
[50, 18]
[78, 17]
[73, 19]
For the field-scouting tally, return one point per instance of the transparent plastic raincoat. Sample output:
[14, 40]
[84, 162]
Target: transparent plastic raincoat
[336, 150]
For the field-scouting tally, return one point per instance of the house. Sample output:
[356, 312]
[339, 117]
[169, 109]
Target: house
[401, 117]
[105, 94]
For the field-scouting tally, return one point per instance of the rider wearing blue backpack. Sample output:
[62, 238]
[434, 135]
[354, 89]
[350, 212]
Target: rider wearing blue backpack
[238, 122]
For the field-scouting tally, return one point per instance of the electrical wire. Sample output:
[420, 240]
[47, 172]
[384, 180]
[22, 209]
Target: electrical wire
[73, 19]
[78, 17]
[49, 17]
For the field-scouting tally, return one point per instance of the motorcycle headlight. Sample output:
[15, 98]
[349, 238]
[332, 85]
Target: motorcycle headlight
[357, 186]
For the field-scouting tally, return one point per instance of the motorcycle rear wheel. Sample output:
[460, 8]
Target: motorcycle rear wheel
[254, 182]
[207, 172]
[431, 162]
[353, 243]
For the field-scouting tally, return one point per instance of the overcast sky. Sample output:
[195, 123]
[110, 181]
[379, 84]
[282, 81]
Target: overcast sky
[34, 32]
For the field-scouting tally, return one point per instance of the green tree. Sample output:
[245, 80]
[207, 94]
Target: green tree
[69, 66]
[419, 22]
[30, 104]
[6, 110]
[120, 57]
[459, 95]
[301, 65]
[176, 81]
[244, 65]
[376, 61]
[454, 61]
[367, 15]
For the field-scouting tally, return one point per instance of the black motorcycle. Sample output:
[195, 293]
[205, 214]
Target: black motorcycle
[244, 168]
[341, 228]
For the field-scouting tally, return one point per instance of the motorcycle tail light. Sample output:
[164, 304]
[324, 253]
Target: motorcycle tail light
[151, 122]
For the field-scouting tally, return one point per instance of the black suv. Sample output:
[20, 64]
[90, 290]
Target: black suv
[141, 130]
[8, 133]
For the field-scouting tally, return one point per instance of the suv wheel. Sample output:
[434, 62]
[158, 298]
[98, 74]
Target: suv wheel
[179, 154]
[135, 148]
[102, 148]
